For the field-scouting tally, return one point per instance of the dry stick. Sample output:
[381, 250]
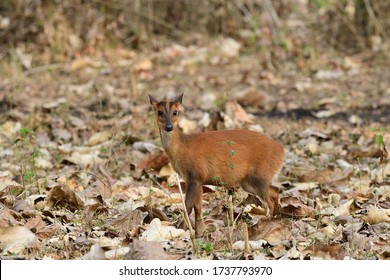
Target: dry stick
[134, 83]
[43, 68]
[246, 240]
[231, 222]
[186, 216]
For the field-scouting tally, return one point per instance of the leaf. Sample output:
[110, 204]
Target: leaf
[35, 224]
[188, 126]
[60, 195]
[145, 146]
[144, 64]
[293, 206]
[21, 206]
[343, 209]
[303, 187]
[84, 160]
[229, 47]
[25, 59]
[15, 239]
[379, 140]
[109, 243]
[236, 112]
[95, 253]
[99, 137]
[273, 231]
[326, 252]
[7, 218]
[152, 250]
[159, 232]
[82, 62]
[7, 185]
[253, 244]
[251, 97]
[326, 176]
[377, 215]
[151, 162]
[128, 220]
[117, 253]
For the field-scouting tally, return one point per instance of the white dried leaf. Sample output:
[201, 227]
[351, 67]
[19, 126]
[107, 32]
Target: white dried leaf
[230, 47]
[95, 253]
[145, 146]
[99, 137]
[117, 253]
[25, 59]
[85, 160]
[329, 74]
[15, 239]
[109, 243]
[377, 215]
[343, 164]
[158, 232]
[324, 114]
[254, 245]
[343, 209]
[43, 163]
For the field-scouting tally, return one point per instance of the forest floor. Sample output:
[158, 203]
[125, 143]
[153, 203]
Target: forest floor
[83, 175]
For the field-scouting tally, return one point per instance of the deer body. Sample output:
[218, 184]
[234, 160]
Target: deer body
[227, 158]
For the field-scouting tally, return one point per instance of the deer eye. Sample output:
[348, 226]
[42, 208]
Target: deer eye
[175, 113]
[159, 113]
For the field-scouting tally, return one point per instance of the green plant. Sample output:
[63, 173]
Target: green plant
[379, 136]
[208, 247]
[27, 154]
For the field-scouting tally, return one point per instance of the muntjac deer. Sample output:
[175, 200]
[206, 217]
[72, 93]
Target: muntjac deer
[227, 158]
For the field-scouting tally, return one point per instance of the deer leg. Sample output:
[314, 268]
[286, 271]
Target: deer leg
[194, 200]
[263, 189]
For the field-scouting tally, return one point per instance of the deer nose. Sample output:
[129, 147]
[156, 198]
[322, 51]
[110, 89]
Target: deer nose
[168, 127]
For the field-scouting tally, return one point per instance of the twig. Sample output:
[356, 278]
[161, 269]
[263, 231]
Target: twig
[43, 68]
[231, 222]
[246, 240]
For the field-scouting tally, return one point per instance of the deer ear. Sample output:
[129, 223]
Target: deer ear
[179, 99]
[152, 100]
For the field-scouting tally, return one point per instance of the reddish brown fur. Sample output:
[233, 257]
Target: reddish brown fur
[228, 157]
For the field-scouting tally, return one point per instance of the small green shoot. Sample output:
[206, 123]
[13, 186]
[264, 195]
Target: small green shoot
[379, 135]
[28, 175]
[25, 131]
[229, 142]
[208, 247]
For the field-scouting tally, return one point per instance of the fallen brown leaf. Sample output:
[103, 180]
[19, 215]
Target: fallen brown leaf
[60, 195]
[151, 162]
[294, 207]
[274, 231]
[326, 252]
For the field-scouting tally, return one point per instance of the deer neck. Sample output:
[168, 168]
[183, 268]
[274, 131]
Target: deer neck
[172, 142]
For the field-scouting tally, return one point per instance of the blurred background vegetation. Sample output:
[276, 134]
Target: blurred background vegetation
[61, 29]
